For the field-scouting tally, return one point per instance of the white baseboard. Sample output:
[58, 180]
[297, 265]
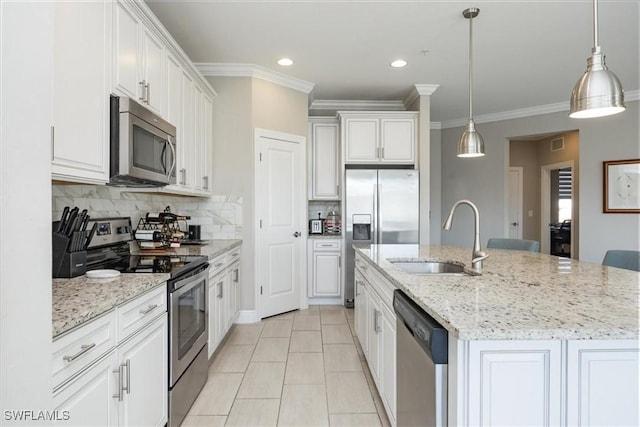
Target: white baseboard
[326, 301]
[247, 316]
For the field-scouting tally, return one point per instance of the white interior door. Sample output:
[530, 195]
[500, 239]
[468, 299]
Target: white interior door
[515, 202]
[280, 211]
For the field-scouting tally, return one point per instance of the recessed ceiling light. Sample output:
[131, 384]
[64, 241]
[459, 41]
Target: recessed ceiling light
[285, 62]
[398, 63]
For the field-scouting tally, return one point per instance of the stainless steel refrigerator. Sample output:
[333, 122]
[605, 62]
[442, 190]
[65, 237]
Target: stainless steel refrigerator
[382, 206]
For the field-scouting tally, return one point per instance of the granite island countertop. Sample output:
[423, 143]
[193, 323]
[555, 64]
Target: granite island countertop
[80, 299]
[520, 295]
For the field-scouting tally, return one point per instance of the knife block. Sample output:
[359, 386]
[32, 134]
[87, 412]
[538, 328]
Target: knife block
[66, 264]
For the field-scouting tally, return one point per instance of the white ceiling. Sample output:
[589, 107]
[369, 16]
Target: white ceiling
[526, 53]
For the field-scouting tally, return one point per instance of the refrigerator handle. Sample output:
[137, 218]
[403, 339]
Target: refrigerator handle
[376, 212]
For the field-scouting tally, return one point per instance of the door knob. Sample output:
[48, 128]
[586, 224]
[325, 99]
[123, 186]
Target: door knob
[297, 234]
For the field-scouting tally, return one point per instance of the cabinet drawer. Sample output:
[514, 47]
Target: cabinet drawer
[135, 314]
[216, 265]
[79, 348]
[233, 255]
[326, 245]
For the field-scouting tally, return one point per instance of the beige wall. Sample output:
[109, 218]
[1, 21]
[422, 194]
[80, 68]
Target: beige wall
[242, 105]
[279, 109]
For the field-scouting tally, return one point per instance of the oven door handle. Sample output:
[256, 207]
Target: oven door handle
[179, 284]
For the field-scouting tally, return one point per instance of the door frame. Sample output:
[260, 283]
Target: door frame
[520, 219]
[545, 194]
[301, 141]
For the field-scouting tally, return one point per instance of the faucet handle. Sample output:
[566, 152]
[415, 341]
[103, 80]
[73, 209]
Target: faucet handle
[479, 256]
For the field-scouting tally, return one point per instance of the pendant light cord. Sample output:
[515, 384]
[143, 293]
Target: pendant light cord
[470, 69]
[596, 44]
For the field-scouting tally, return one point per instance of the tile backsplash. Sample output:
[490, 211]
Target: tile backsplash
[322, 206]
[220, 216]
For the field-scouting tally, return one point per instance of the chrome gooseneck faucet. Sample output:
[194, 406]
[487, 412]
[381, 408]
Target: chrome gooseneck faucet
[477, 255]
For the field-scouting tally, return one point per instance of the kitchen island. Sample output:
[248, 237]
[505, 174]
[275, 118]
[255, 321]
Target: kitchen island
[534, 339]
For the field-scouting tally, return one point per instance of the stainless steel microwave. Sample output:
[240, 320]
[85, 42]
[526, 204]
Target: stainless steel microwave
[142, 146]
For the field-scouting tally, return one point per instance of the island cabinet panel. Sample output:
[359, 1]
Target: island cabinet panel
[506, 383]
[375, 324]
[603, 383]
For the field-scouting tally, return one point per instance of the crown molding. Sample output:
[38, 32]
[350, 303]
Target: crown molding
[435, 125]
[334, 104]
[417, 91]
[255, 71]
[630, 96]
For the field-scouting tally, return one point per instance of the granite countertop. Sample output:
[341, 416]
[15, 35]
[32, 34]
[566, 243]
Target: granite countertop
[211, 250]
[520, 295]
[325, 236]
[80, 299]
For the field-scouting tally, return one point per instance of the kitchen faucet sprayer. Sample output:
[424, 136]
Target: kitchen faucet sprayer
[477, 255]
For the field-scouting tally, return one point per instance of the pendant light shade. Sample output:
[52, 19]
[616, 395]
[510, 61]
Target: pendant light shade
[598, 92]
[471, 143]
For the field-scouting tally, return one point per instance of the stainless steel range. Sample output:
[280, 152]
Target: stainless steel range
[187, 306]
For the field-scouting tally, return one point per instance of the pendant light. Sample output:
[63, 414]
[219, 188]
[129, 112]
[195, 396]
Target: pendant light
[471, 143]
[598, 92]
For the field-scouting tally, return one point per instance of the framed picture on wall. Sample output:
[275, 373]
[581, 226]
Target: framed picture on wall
[621, 184]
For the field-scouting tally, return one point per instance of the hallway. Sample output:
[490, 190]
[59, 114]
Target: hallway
[301, 368]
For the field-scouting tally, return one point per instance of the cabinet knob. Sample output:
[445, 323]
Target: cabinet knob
[297, 234]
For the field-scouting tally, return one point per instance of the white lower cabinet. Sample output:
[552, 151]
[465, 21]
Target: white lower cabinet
[88, 400]
[325, 271]
[512, 383]
[223, 296]
[603, 383]
[375, 324]
[144, 385]
[126, 386]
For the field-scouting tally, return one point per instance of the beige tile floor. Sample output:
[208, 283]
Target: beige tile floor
[302, 368]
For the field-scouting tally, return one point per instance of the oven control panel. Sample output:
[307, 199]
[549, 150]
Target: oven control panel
[110, 231]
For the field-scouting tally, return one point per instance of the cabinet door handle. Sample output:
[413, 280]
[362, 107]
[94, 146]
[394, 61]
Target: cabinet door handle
[218, 264]
[53, 142]
[220, 290]
[83, 349]
[183, 172]
[375, 320]
[382, 153]
[146, 92]
[205, 184]
[120, 394]
[237, 275]
[148, 310]
[127, 366]
[141, 97]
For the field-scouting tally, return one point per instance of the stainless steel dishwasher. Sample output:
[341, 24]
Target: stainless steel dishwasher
[422, 355]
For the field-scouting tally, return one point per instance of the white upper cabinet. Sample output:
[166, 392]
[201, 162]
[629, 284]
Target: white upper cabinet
[379, 138]
[153, 66]
[139, 60]
[325, 154]
[81, 80]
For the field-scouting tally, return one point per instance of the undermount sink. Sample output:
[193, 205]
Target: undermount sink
[430, 267]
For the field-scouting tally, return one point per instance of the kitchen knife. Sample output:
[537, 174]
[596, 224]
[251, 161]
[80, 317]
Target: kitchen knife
[91, 233]
[63, 219]
[73, 223]
[69, 227]
[84, 219]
